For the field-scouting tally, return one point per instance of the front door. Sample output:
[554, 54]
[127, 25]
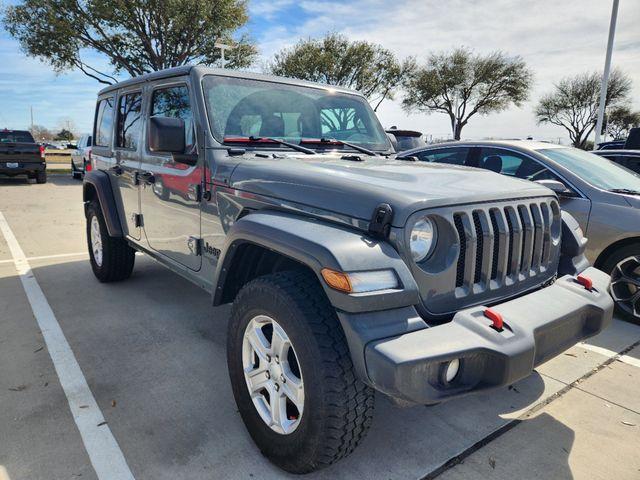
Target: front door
[170, 190]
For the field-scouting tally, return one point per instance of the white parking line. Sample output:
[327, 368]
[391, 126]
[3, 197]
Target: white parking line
[47, 257]
[103, 450]
[610, 353]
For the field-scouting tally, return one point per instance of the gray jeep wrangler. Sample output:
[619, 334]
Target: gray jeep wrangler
[349, 271]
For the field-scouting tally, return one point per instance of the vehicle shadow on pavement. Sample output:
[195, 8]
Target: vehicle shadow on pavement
[537, 448]
[18, 181]
[153, 350]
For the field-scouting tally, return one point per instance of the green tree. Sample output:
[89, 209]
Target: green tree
[620, 120]
[135, 36]
[335, 60]
[64, 134]
[462, 84]
[573, 104]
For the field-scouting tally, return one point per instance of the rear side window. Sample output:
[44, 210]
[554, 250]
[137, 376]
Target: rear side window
[451, 156]
[104, 122]
[174, 102]
[129, 120]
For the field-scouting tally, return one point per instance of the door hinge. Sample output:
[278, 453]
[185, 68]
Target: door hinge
[195, 246]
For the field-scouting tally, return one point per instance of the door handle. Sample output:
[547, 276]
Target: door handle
[145, 177]
[117, 170]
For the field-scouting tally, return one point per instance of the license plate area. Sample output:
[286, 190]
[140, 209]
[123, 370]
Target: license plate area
[12, 164]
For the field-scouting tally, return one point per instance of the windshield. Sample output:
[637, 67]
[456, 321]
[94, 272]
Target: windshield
[239, 107]
[15, 136]
[597, 171]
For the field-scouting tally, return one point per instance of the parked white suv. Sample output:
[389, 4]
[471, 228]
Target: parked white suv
[81, 156]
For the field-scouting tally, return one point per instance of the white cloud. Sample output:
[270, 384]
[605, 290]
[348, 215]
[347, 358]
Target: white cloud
[556, 39]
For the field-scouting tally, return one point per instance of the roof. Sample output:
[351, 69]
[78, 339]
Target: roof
[517, 144]
[200, 71]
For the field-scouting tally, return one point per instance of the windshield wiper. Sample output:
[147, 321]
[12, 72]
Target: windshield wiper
[253, 139]
[333, 141]
[627, 191]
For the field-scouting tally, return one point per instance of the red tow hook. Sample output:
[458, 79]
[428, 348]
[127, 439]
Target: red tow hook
[586, 282]
[496, 318]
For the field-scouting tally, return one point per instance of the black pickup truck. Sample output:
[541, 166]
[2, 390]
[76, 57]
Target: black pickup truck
[21, 155]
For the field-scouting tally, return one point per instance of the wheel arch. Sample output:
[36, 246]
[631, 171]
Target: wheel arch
[266, 242]
[607, 252]
[97, 186]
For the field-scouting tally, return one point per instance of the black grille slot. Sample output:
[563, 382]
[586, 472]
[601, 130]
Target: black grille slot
[479, 244]
[457, 220]
[496, 244]
[510, 255]
[524, 236]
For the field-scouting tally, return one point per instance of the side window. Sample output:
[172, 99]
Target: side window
[451, 156]
[513, 164]
[129, 119]
[104, 122]
[174, 102]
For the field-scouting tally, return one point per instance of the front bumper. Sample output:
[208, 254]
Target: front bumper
[538, 326]
[23, 168]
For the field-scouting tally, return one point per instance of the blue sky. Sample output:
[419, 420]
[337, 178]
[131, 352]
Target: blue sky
[556, 38]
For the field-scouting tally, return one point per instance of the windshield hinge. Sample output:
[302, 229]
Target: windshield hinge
[381, 221]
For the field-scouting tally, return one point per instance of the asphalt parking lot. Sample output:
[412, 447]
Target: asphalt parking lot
[152, 352]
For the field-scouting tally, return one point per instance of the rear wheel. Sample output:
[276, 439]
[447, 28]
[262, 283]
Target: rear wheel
[41, 176]
[111, 258]
[292, 375]
[624, 267]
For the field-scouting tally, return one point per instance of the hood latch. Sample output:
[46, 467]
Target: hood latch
[381, 221]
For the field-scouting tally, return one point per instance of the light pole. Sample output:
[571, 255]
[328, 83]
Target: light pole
[605, 75]
[222, 48]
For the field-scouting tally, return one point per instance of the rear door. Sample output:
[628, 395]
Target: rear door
[170, 190]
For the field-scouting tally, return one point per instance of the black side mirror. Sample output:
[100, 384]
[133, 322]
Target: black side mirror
[166, 134]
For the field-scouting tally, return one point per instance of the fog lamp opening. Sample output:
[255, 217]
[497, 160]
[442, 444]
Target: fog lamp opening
[450, 370]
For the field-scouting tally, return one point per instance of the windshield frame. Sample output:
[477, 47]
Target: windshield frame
[319, 148]
[581, 175]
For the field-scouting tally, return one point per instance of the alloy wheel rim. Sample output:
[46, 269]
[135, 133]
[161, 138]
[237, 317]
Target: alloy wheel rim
[272, 373]
[96, 241]
[625, 285]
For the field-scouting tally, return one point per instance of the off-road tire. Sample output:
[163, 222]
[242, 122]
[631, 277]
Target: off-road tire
[610, 263]
[338, 408]
[41, 177]
[118, 257]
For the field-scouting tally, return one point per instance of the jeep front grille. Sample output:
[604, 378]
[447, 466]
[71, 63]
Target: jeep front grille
[489, 252]
[503, 242]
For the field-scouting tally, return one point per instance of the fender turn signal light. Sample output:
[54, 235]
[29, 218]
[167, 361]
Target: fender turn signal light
[496, 318]
[586, 282]
[337, 280]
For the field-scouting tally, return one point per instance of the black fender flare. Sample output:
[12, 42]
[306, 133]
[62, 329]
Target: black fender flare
[98, 181]
[318, 245]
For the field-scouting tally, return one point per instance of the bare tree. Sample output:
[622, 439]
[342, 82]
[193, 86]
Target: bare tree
[573, 104]
[462, 84]
[620, 120]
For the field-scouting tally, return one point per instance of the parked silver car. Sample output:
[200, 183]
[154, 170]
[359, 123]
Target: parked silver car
[81, 156]
[604, 197]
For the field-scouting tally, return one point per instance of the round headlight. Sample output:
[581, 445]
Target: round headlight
[423, 239]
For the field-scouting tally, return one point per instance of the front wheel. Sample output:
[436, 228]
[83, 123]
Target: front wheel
[624, 267]
[292, 375]
[111, 258]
